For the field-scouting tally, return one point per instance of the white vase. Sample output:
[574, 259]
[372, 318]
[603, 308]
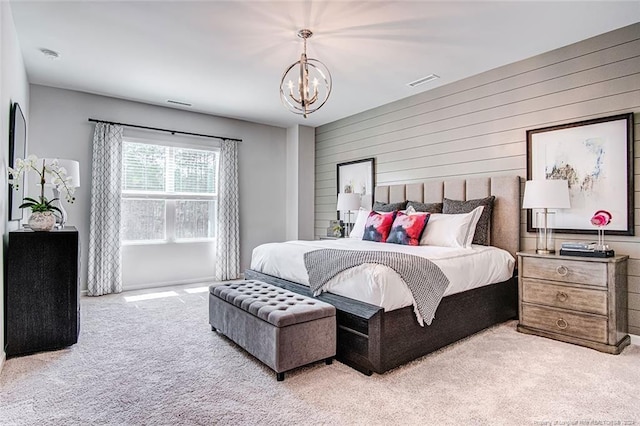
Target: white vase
[42, 221]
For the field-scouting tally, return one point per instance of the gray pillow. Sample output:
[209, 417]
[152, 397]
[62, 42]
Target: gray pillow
[483, 229]
[425, 207]
[389, 207]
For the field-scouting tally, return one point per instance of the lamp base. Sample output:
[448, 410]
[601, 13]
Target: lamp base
[62, 219]
[544, 239]
[545, 251]
[348, 225]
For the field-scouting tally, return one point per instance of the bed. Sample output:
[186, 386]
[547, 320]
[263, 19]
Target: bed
[382, 331]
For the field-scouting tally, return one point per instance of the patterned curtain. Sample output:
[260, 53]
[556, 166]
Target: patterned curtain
[104, 226]
[228, 231]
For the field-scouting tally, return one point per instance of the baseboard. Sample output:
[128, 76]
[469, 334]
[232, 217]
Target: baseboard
[206, 280]
[635, 340]
[131, 287]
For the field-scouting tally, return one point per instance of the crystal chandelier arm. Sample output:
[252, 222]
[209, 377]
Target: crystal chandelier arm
[304, 78]
[314, 98]
[291, 95]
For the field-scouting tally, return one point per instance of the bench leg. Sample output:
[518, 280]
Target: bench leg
[328, 361]
[280, 376]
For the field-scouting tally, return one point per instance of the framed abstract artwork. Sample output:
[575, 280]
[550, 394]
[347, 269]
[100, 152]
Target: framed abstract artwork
[595, 157]
[17, 148]
[357, 177]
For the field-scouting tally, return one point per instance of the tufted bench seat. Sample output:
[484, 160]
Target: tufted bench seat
[282, 329]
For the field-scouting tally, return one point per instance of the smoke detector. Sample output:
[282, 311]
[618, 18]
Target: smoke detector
[50, 54]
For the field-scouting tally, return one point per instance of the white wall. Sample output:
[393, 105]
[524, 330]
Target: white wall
[59, 128]
[306, 182]
[13, 88]
[300, 182]
[477, 126]
[291, 187]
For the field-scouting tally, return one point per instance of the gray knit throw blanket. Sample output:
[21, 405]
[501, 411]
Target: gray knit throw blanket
[424, 278]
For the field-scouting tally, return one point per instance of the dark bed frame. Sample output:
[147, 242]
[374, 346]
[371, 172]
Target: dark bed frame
[372, 340]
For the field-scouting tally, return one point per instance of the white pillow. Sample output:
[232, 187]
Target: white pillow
[451, 230]
[410, 210]
[361, 220]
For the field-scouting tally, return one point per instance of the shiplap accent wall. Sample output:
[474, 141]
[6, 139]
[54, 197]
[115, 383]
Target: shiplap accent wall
[477, 127]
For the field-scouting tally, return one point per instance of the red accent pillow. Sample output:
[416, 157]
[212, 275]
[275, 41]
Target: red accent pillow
[408, 229]
[378, 226]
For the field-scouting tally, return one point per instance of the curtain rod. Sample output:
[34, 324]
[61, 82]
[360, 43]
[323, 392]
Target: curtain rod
[173, 132]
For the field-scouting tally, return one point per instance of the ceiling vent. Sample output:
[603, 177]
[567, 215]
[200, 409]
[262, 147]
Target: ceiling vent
[178, 103]
[423, 80]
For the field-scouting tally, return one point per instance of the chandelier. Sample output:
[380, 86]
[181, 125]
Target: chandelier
[313, 83]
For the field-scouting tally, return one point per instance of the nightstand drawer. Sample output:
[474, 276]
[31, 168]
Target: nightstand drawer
[576, 299]
[569, 271]
[563, 322]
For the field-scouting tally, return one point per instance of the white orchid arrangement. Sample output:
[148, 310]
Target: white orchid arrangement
[59, 179]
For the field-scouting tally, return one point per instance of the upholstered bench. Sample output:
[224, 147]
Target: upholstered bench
[282, 329]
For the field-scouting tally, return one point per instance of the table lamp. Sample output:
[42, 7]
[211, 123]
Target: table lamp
[545, 194]
[348, 202]
[73, 171]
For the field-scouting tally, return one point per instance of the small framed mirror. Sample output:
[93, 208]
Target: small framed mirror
[17, 149]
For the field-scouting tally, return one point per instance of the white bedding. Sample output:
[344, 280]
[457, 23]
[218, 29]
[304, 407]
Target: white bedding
[379, 285]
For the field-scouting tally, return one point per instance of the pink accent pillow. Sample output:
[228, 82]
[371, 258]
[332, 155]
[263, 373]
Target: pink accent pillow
[378, 226]
[408, 229]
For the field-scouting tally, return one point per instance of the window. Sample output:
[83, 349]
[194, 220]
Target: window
[169, 193]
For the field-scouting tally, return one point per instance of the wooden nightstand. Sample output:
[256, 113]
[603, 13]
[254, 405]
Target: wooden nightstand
[579, 300]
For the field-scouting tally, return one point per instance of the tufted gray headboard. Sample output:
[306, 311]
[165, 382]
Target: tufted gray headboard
[505, 224]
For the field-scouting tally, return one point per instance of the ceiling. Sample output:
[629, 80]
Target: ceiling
[226, 58]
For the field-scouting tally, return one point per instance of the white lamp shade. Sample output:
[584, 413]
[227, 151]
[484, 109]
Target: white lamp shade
[549, 194]
[71, 166]
[348, 201]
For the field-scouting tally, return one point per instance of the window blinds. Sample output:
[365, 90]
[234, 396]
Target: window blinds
[168, 169]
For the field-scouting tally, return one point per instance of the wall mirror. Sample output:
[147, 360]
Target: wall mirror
[357, 177]
[17, 149]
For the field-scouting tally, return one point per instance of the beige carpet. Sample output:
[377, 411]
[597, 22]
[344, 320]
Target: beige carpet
[156, 362]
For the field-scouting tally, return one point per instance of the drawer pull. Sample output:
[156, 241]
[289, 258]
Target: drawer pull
[562, 296]
[562, 324]
[562, 270]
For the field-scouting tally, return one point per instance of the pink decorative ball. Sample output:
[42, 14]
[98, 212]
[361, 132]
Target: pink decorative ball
[601, 218]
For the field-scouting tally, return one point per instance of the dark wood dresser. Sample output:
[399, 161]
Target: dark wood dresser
[580, 300]
[41, 291]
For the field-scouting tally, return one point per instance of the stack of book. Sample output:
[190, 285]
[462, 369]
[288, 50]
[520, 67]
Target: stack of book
[580, 248]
